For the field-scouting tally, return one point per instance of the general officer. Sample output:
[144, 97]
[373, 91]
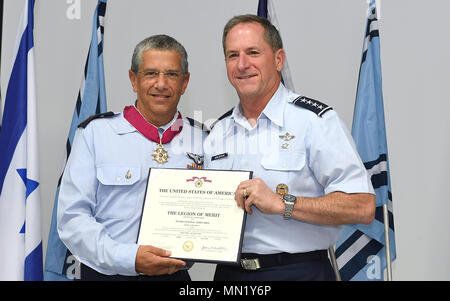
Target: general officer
[308, 177]
[104, 182]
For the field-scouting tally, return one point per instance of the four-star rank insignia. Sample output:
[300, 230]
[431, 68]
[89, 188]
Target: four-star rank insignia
[313, 105]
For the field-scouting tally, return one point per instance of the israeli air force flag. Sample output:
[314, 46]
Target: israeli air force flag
[60, 264]
[20, 219]
[360, 251]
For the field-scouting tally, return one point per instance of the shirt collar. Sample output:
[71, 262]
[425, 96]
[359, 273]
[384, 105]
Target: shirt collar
[124, 127]
[274, 110]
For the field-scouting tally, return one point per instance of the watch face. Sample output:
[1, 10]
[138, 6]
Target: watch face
[289, 198]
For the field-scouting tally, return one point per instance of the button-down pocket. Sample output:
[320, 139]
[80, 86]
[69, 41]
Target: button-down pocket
[285, 161]
[282, 168]
[117, 194]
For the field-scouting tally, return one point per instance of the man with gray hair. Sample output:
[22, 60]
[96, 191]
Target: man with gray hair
[103, 186]
[309, 179]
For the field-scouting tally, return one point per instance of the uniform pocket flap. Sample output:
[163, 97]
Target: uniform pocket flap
[293, 160]
[118, 175]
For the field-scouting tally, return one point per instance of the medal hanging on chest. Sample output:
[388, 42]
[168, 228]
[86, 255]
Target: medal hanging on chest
[160, 154]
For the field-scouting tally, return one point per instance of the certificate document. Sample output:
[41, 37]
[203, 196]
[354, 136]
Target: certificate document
[193, 214]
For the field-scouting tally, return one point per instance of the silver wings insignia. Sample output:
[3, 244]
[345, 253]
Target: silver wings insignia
[196, 158]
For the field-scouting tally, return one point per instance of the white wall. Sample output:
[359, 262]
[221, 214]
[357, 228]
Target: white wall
[323, 41]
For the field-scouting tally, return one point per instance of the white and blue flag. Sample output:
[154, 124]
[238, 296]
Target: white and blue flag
[60, 264]
[20, 217]
[266, 10]
[360, 251]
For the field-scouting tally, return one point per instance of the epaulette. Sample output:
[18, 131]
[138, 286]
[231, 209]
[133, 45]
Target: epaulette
[228, 113]
[313, 105]
[197, 124]
[96, 116]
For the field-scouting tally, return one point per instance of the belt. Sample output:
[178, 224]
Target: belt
[253, 262]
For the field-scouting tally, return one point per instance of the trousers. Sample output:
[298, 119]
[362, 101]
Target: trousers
[88, 274]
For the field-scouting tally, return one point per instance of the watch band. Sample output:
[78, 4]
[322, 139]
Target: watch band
[289, 201]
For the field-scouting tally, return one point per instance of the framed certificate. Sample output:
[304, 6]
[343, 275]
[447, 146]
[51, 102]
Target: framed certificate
[192, 213]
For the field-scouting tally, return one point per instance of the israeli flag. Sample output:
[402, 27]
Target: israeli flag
[60, 264]
[20, 219]
[360, 251]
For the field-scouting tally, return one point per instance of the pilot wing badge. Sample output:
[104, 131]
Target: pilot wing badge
[198, 161]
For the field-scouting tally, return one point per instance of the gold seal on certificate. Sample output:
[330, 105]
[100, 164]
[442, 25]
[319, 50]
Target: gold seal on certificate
[192, 213]
[188, 246]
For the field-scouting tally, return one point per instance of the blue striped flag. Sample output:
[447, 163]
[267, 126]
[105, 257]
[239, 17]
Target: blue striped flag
[266, 10]
[60, 264]
[360, 251]
[20, 216]
[1, 32]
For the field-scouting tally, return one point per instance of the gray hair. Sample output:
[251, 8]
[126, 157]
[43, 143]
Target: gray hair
[159, 42]
[271, 34]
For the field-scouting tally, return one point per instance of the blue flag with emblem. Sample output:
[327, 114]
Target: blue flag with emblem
[20, 217]
[266, 10]
[60, 264]
[360, 251]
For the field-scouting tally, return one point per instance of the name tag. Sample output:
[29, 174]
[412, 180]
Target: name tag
[220, 156]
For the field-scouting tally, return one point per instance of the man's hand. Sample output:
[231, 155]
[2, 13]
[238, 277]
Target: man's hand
[335, 208]
[260, 195]
[155, 261]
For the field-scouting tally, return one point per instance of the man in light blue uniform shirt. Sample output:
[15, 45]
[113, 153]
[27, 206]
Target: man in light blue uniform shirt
[308, 177]
[104, 182]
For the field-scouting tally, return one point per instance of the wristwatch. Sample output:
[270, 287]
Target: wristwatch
[289, 201]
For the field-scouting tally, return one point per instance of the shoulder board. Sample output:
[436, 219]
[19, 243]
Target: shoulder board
[228, 113]
[313, 105]
[197, 124]
[96, 116]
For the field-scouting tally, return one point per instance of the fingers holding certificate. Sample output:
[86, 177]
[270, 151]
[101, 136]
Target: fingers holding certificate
[153, 261]
[193, 214]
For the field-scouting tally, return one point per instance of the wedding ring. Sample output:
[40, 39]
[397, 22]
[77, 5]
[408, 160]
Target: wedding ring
[244, 193]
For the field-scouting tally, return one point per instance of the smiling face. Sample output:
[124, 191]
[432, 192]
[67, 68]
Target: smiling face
[253, 67]
[158, 97]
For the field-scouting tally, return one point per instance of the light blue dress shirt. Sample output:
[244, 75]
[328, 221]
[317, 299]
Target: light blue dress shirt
[315, 156]
[103, 186]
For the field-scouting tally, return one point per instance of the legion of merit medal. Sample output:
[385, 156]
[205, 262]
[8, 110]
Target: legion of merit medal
[160, 155]
[149, 131]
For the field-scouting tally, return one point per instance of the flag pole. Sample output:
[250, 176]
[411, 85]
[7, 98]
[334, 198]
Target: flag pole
[334, 263]
[385, 207]
[387, 243]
